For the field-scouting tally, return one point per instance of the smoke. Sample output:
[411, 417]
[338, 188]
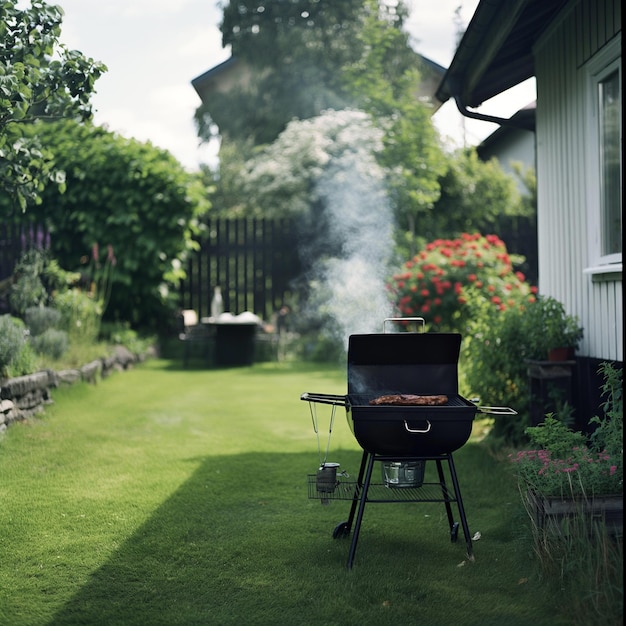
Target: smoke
[349, 246]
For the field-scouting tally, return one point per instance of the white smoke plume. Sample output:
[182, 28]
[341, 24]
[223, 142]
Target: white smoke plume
[353, 258]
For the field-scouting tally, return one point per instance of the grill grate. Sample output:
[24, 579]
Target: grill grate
[364, 400]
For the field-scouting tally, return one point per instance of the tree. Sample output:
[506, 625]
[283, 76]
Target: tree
[128, 195]
[295, 51]
[39, 78]
[474, 194]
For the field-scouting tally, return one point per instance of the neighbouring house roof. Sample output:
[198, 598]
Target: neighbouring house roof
[525, 118]
[232, 72]
[495, 52]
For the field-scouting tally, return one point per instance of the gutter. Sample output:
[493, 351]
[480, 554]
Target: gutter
[501, 121]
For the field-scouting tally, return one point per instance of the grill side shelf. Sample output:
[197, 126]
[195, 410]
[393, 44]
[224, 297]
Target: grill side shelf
[379, 492]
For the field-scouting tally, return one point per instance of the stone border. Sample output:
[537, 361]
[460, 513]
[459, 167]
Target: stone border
[25, 396]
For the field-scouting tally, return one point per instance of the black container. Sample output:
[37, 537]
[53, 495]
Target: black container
[234, 343]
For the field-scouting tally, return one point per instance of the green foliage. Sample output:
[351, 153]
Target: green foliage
[128, 195]
[608, 435]
[564, 463]
[120, 333]
[37, 277]
[16, 356]
[384, 81]
[80, 315]
[295, 52]
[474, 193]
[549, 326]
[52, 342]
[498, 344]
[28, 289]
[39, 78]
[41, 318]
[449, 281]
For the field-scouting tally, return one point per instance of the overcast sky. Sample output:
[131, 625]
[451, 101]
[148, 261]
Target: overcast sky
[154, 49]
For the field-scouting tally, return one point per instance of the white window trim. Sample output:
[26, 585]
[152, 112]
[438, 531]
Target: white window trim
[601, 65]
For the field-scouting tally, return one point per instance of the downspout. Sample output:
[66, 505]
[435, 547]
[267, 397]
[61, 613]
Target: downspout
[501, 121]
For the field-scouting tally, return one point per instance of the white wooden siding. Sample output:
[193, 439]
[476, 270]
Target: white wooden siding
[563, 177]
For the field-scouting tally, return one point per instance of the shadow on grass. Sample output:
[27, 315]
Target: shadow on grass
[241, 542]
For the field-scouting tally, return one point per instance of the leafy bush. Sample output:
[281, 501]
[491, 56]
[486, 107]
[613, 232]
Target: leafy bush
[121, 334]
[28, 289]
[16, 356]
[450, 279]
[497, 345]
[564, 463]
[41, 318]
[547, 326]
[609, 429]
[80, 315]
[52, 342]
[37, 277]
[128, 194]
[561, 464]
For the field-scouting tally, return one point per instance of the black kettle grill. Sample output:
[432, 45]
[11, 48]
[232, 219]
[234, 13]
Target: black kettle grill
[415, 363]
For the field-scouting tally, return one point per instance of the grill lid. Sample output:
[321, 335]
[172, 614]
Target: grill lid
[414, 363]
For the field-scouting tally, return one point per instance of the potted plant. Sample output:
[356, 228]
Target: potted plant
[566, 473]
[556, 333]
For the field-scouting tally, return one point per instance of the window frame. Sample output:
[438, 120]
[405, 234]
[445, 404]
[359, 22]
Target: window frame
[600, 67]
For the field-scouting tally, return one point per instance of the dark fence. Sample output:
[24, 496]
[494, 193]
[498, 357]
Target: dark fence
[520, 236]
[253, 261]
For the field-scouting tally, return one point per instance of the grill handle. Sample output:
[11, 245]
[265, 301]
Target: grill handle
[417, 431]
[421, 320]
[496, 410]
[324, 398]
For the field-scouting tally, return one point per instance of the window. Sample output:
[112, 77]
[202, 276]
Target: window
[609, 108]
[605, 159]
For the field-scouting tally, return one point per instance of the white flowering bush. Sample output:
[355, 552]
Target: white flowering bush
[283, 180]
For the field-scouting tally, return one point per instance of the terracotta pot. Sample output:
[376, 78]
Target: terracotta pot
[560, 354]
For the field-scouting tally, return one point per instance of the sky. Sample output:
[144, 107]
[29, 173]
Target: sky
[153, 49]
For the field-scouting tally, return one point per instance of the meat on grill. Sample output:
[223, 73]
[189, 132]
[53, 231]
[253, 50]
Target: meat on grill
[404, 399]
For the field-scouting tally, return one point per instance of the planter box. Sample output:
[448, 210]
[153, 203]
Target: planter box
[550, 512]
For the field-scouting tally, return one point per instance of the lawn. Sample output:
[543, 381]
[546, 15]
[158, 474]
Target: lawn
[171, 496]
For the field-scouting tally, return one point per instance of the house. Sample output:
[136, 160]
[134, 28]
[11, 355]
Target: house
[236, 74]
[573, 48]
[513, 144]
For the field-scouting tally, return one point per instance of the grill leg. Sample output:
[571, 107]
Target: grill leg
[359, 517]
[459, 501]
[444, 493]
[357, 491]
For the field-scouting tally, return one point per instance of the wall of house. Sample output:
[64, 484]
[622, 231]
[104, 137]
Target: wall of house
[565, 183]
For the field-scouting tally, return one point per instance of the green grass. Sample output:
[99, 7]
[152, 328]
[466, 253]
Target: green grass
[170, 496]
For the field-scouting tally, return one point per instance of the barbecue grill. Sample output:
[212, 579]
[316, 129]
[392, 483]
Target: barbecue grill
[395, 363]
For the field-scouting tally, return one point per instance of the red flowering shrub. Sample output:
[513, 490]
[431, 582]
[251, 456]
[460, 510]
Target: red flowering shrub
[450, 278]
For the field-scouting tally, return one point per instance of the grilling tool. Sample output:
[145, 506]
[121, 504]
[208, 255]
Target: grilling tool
[326, 477]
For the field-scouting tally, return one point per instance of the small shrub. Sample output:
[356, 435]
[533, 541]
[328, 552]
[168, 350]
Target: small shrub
[80, 315]
[41, 318]
[37, 277]
[121, 334]
[16, 356]
[52, 343]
